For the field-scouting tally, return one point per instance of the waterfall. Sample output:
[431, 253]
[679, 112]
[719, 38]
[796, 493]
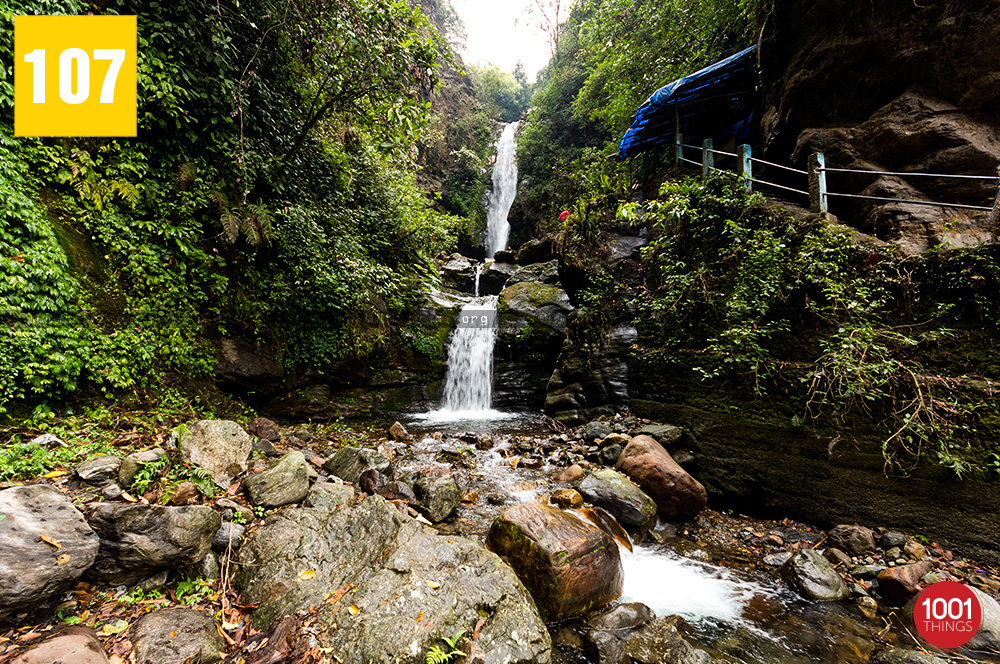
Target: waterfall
[468, 383]
[504, 191]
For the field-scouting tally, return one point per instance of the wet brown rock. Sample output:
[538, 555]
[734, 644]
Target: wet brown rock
[399, 433]
[566, 498]
[265, 429]
[568, 566]
[678, 496]
[185, 493]
[571, 474]
[899, 584]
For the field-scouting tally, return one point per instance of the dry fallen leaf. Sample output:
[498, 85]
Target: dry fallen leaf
[308, 574]
[129, 498]
[114, 628]
[434, 585]
[55, 473]
[420, 615]
[353, 610]
[52, 541]
[62, 559]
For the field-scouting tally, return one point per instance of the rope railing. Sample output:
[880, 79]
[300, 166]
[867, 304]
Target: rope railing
[816, 177]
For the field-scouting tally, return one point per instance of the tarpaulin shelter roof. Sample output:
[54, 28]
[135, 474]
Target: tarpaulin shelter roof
[703, 104]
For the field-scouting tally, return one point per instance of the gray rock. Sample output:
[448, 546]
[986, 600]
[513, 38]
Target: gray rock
[138, 541]
[176, 636]
[76, 645]
[659, 642]
[111, 491]
[329, 495]
[855, 540]
[437, 497]
[285, 482]
[894, 553]
[30, 571]
[400, 569]
[665, 434]
[349, 462]
[158, 581]
[605, 648]
[903, 656]
[620, 496]
[208, 567]
[608, 456]
[133, 463]
[777, 559]
[987, 639]
[866, 571]
[219, 446]
[227, 504]
[892, 538]
[595, 429]
[622, 617]
[810, 573]
[99, 470]
[228, 535]
[545, 308]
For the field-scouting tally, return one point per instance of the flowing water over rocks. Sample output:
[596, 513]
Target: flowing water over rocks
[504, 191]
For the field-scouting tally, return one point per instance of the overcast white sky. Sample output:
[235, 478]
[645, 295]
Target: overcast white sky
[502, 32]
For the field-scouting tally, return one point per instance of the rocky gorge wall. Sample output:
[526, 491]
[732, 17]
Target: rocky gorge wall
[889, 85]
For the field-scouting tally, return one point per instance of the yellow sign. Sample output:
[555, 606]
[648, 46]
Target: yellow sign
[75, 75]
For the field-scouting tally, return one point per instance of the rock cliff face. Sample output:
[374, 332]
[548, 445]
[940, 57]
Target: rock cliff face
[890, 85]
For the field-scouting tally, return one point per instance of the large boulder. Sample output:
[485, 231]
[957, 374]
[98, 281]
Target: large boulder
[100, 470]
[72, 645]
[620, 496]
[987, 638]
[569, 566]
[349, 462]
[285, 482]
[137, 541]
[541, 307]
[812, 575]
[219, 446]
[677, 495]
[176, 635]
[409, 586]
[32, 571]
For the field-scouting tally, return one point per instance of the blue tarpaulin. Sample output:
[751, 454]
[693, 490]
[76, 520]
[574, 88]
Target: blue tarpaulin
[715, 102]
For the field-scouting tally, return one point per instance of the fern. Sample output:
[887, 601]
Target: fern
[438, 655]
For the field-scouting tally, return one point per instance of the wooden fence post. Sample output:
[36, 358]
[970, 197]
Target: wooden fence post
[744, 167]
[707, 158]
[679, 149]
[817, 184]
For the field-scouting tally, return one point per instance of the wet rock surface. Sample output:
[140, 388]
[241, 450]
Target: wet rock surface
[621, 497]
[349, 462]
[677, 495]
[659, 641]
[568, 566]
[813, 576]
[34, 572]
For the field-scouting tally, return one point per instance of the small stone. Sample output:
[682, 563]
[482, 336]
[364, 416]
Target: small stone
[571, 474]
[914, 550]
[892, 538]
[777, 559]
[836, 556]
[232, 505]
[810, 573]
[265, 429]
[855, 540]
[621, 617]
[77, 645]
[154, 582]
[933, 577]
[856, 590]
[228, 535]
[566, 498]
[898, 584]
[111, 492]
[287, 481]
[329, 495]
[370, 481]
[596, 430]
[185, 493]
[219, 446]
[208, 567]
[437, 497]
[496, 499]
[349, 462]
[304, 435]
[99, 470]
[399, 433]
[893, 553]
[265, 446]
[227, 515]
[867, 606]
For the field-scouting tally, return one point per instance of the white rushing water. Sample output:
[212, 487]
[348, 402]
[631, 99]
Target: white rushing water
[671, 584]
[504, 191]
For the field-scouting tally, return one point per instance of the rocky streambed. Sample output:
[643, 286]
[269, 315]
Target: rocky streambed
[507, 542]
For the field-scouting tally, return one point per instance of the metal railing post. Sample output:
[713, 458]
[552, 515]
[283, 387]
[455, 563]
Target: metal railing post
[817, 184]
[994, 222]
[744, 167]
[679, 148]
[707, 158]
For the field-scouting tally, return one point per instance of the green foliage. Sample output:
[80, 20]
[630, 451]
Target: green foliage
[505, 95]
[27, 460]
[192, 591]
[438, 655]
[740, 289]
